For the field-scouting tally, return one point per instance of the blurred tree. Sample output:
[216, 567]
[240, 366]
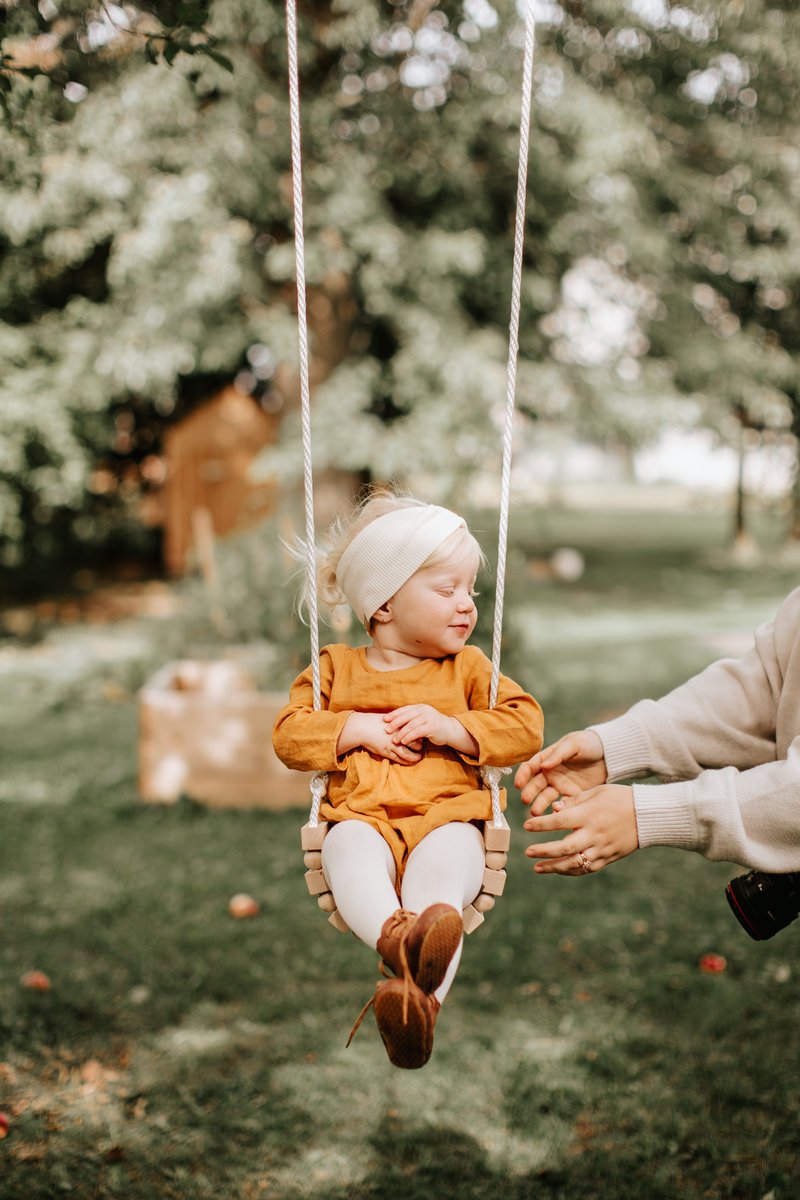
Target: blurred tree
[70, 42]
[146, 240]
[147, 233]
[704, 199]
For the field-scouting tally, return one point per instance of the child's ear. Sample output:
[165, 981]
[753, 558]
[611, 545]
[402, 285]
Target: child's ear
[383, 614]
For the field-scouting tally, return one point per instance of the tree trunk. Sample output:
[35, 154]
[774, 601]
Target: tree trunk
[745, 550]
[794, 525]
[738, 519]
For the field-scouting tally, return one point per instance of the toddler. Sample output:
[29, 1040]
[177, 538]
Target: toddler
[403, 730]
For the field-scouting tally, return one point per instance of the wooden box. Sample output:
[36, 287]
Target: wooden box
[205, 731]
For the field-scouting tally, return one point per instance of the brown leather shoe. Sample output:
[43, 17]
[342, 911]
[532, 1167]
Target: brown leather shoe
[405, 1017]
[423, 945]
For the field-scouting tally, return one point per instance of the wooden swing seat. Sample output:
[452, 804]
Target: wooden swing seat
[496, 841]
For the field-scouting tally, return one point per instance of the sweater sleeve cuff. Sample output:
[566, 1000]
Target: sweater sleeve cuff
[339, 762]
[625, 747]
[664, 816]
[474, 760]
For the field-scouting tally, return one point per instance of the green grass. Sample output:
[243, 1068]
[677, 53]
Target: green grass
[581, 1053]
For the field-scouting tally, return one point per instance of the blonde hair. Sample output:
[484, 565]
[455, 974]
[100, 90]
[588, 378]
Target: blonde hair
[340, 533]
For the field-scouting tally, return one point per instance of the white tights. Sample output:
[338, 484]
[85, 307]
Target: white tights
[446, 866]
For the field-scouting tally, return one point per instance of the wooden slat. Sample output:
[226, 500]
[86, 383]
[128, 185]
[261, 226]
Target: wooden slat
[496, 838]
[494, 882]
[471, 918]
[316, 882]
[312, 837]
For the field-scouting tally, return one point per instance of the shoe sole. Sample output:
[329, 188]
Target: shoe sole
[408, 1044]
[439, 944]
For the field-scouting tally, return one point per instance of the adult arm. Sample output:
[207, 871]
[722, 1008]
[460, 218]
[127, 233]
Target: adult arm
[725, 716]
[750, 817]
[727, 739]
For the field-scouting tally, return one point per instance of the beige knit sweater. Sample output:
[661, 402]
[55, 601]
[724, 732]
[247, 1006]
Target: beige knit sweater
[731, 736]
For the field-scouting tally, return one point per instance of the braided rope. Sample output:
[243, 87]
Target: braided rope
[491, 775]
[319, 779]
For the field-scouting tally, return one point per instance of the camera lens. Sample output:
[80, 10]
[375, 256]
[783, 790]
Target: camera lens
[764, 903]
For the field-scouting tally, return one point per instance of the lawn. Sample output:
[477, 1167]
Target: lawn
[582, 1053]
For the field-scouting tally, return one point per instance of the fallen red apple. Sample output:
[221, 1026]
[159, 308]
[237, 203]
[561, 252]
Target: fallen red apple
[713, 963]
[242, 905]
[36, 981]
[5, 1125]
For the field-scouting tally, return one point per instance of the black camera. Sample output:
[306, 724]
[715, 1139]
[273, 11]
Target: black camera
[764, 903]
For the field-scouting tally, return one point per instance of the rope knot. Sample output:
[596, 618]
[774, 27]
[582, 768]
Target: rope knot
[491, 777]
[318, 785]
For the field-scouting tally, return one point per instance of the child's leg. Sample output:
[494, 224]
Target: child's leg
[360, 869]
[447, 866]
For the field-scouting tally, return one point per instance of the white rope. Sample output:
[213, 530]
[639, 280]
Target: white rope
[492, 774]
[319, 779]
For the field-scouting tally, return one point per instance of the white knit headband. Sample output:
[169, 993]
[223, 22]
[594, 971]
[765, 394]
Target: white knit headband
[387, 552]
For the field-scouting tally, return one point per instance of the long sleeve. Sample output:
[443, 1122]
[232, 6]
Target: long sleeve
[750, 817]
[730, 739]
[510, 731]
[305, 739]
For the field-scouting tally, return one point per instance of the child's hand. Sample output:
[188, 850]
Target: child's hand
[368, 731]
[414, 723]
[603, 824]
[571, 765]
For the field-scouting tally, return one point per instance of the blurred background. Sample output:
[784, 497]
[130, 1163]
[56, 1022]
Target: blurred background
[150, 469]
[148, 339]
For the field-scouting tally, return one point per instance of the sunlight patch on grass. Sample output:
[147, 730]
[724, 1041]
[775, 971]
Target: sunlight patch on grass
[350, 1094]
[193, 1042]
[205, 1031]
[26, 789]
[12, 886]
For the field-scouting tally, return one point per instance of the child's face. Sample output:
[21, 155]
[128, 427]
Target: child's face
[433, 613]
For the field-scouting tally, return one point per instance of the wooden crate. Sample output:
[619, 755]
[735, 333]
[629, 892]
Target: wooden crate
[205, 731]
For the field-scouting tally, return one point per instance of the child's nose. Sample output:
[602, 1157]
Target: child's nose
[466, 602]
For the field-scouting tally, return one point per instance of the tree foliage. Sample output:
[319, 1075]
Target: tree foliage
[146, 232]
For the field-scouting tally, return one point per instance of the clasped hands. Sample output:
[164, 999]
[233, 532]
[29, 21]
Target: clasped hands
[570, 777]
[400, 735]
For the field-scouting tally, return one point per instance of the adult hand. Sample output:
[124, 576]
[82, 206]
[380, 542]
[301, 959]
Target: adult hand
[603, 828]
[571, 765]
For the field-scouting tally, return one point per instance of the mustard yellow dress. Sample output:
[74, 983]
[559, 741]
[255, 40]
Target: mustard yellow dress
[406, 802]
